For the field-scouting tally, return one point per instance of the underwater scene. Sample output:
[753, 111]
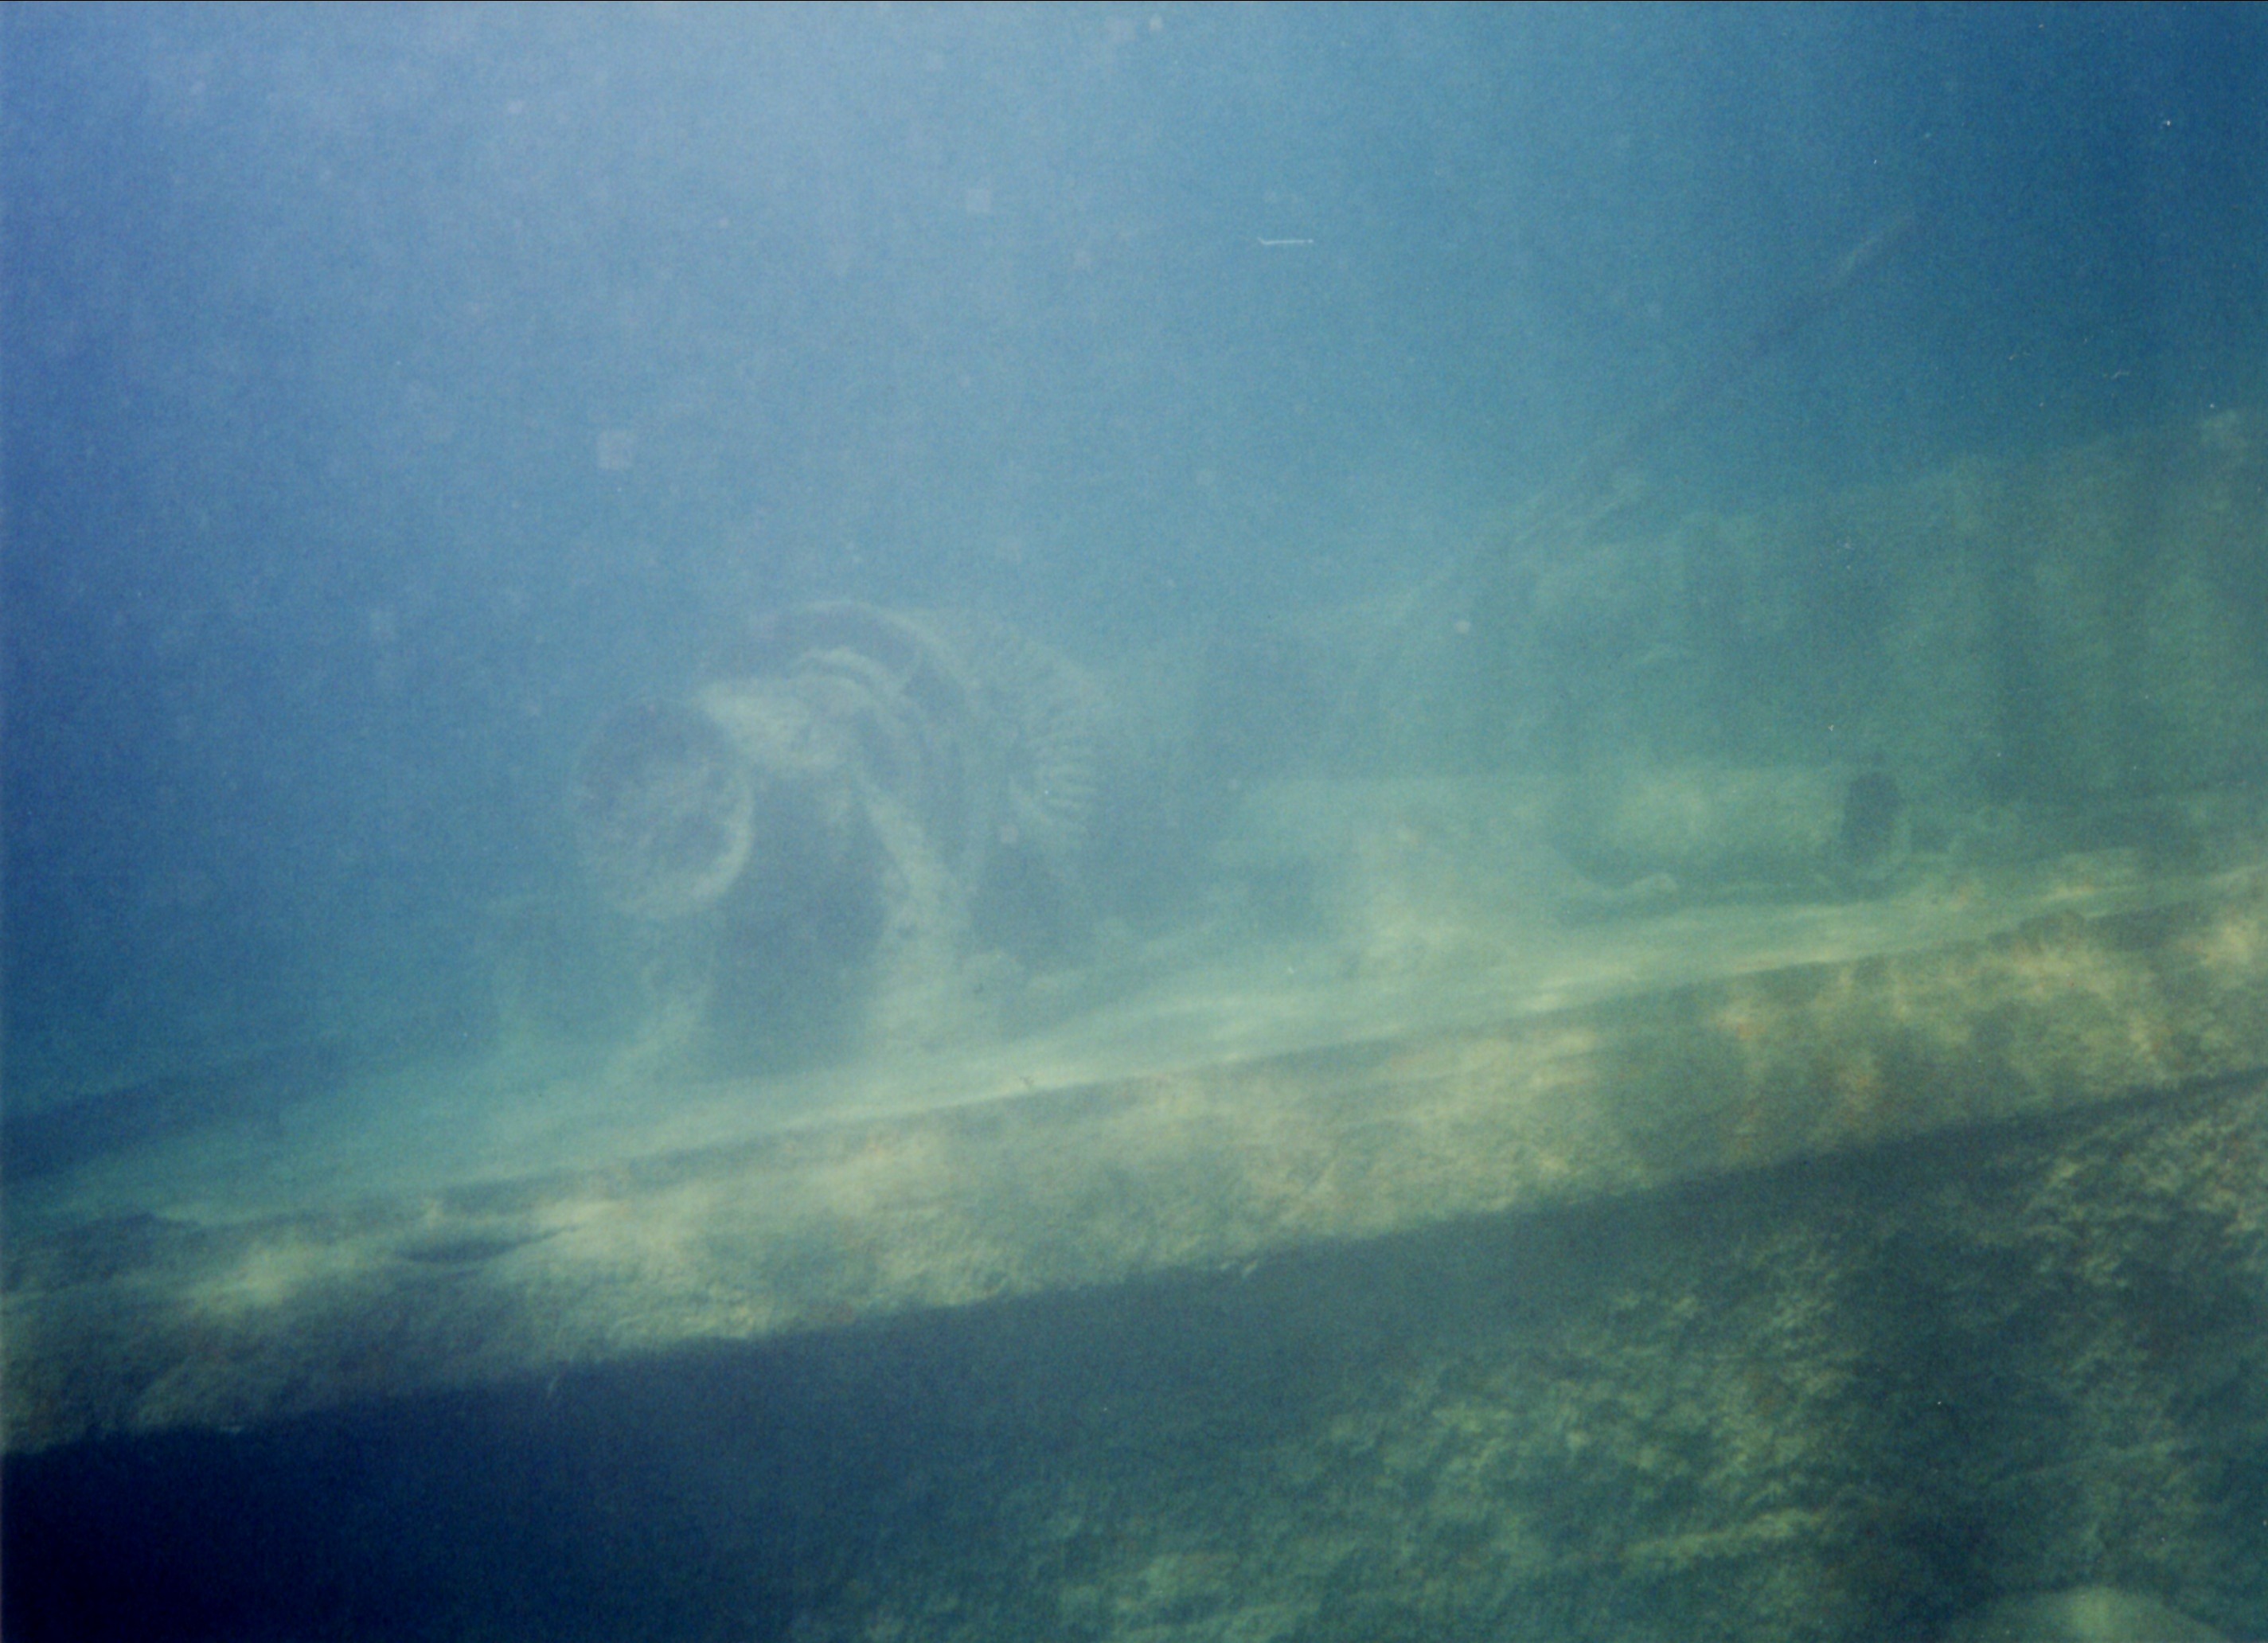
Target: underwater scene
[1122, 823]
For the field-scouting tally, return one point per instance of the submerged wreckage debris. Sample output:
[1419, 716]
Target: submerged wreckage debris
[1728, 830]
[860, 790]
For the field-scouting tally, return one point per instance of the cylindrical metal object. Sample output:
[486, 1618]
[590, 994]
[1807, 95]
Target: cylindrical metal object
[1732, 827]
[664, 810]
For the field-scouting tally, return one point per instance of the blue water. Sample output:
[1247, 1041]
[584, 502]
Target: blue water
[389, 394]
